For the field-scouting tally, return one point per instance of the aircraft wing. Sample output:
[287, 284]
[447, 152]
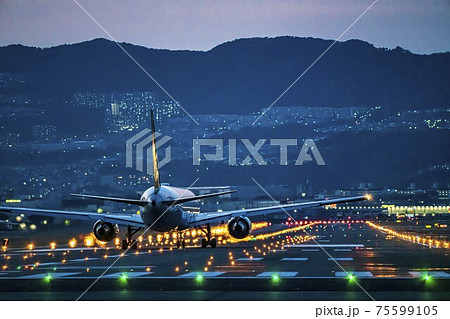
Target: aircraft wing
[223, 217]
[128, 220]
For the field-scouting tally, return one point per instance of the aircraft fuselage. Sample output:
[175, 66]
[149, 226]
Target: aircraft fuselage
[161, 217]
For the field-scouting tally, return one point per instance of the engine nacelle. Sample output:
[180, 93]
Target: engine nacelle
[105, 231]
[239, 227]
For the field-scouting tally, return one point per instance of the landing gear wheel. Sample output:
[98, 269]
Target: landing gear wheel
[204, 243]
[128, 241]
[213, 242]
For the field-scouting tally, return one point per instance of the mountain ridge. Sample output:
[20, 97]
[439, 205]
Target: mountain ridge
[242, 75]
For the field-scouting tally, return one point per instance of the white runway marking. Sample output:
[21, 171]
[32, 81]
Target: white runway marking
[204, 274]
[358, 274]
[249, 259]
[49, 250]
[341, 259]
[328, 245]
[98, 267]
[83, 259]
[294, 259]
[310, 250]
[342, 250]
[130, 274]
[53, 275]
[269, 274]
[436, 274]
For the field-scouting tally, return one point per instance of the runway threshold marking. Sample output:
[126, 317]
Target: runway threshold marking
[97, 267]
[269, 274]
[328, 245]
[436, 274]
[250, 259]
[131, 274]
[53, 274]
[358, 274]
[294, 259]
[341, 259]
[205, 274]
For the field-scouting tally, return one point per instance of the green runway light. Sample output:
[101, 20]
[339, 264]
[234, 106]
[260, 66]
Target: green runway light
[48, 277]
[275, 278]
[351, 277]
[427, 277]
[54, 268]
[199, 277]
[19, 267]
[124, 277]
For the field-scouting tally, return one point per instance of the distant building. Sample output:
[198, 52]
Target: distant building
[131, 111]
[44, 133]
[166, 109]
[10, 139]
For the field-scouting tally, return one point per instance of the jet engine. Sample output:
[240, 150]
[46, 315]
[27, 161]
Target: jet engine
[239, 227]
[105, 231]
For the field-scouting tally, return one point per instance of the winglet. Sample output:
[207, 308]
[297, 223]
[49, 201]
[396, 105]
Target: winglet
[155, 154]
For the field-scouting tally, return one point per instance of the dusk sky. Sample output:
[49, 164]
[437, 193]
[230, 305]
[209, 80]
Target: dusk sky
[421, 26]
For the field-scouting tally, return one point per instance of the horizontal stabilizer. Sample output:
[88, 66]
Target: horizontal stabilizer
[114, 199]
[188, 199]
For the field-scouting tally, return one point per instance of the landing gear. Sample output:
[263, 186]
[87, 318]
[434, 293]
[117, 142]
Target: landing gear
[180, 241]
[208, 240]
[129, 242]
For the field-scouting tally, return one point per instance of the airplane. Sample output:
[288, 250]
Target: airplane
[162, 210]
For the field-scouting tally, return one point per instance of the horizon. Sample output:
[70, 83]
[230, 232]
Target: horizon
[420, 27]
[219, 44]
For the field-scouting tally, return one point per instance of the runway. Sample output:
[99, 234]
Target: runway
[329, 262]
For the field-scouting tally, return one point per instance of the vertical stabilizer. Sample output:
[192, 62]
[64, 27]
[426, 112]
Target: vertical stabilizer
[155, 153]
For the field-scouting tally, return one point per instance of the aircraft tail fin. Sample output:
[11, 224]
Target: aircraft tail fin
[155, 154]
